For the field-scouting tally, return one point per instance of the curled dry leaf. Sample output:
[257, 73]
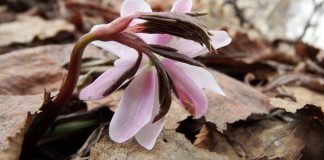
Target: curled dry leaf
[170, 145]
[26, 29]
[310, 81]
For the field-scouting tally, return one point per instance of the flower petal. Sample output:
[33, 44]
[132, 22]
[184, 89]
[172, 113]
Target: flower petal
[97, 88]
[183, 6]
[149, 133]
[162, 39]
[115, 48]
[184, 46]
[190, 94]
[202, 77]
[136, 106]
[219, 39]
[130, 6]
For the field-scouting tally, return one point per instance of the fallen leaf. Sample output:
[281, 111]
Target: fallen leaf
[310, 81]
[13, 112]
[30, 71]
[26, 29]
[239, 103]
[242, 51]
[303, 97]
[169, 145]
[13, 150]
[281, 134]
[211, 139]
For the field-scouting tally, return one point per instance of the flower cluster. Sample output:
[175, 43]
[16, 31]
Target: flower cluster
[141, 111]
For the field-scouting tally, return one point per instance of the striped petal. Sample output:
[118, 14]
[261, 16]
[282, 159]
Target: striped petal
[97, 88]
[149, 133]
[136, 107]
[190, 94]
[202, 77]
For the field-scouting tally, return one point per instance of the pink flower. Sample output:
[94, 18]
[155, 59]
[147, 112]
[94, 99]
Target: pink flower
[140, 103]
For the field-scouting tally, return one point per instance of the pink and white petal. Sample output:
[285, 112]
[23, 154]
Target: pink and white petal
[97, 88]
[130, 6]
[147, 136]
[162, 39]
[149, 38]
[183, 6]
[218, 39]
[190, 94]
[135, 108]
[202, 77]
[115, 48]
[184, 46]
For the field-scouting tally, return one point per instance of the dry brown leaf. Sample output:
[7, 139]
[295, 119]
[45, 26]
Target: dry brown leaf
[13, 149]
[211, 139]
[170, 145]
[281, 134]
[242, 51]
[240, 102]
[303, 97]
[268, 138]
[26, 29]
[13, 111]
[30, 71]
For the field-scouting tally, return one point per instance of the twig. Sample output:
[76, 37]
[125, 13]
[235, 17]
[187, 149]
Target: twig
[308, 24]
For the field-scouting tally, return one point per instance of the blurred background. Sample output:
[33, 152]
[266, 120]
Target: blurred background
[273, 19]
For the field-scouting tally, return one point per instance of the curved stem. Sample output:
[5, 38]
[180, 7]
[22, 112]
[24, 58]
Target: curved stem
[71, 80]
[51, 109]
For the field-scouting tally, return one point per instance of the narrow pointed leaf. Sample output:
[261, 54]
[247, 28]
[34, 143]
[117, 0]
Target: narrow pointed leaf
[173, 54]
[177, 24]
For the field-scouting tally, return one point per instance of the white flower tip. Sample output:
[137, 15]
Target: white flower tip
[116, 137]
[218, 90]
[147, 146]
[84, 96]
[129, 7]
[220, 39]
[182, 6]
